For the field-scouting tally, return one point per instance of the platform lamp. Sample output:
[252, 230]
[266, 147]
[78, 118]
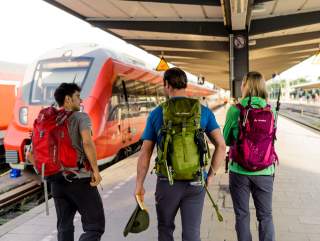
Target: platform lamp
[316, 58]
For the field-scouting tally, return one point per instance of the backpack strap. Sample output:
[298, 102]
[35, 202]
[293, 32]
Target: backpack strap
[242, 117]
[198, 115]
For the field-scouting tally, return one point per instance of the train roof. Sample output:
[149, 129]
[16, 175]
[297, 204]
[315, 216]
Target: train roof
[92, 50]
[97, 50]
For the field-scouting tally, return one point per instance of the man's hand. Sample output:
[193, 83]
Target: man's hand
[95, 178]
[29, 157]
[218, 156]
[140, 193]
[210, 177]
[143, 167]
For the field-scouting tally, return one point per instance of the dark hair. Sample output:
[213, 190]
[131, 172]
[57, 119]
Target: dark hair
[176, 78]
[63, 90]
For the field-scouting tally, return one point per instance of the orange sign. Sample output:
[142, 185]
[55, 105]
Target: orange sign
[163, 65]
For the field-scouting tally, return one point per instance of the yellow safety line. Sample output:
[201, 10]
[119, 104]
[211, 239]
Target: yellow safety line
[5, 173]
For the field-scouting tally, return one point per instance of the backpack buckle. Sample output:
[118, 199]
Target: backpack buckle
[71, 176]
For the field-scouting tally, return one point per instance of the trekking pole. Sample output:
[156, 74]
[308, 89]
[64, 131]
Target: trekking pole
[278, 105]
[169, 172]
[226, 168]
[45, 186]
[219, 216]
[276, 117]
[247, 111]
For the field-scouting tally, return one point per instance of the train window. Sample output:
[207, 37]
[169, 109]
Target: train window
[142, 98]
[49, 74]
[113, 114]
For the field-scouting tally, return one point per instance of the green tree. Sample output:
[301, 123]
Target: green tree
[298, 81]
[283, 83]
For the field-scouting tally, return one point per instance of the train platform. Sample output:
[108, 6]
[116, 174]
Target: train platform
[296, 198]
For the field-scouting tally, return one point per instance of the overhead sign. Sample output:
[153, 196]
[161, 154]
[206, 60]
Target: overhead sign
[163, 65]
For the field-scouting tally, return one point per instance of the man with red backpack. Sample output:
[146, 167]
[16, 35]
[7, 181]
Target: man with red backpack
[64, 153]
[250, 132]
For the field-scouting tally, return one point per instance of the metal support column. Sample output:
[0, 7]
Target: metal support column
[239, 60]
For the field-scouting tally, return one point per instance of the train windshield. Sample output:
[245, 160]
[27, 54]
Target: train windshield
[49, 74]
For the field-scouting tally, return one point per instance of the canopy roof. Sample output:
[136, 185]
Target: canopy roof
[193, 34]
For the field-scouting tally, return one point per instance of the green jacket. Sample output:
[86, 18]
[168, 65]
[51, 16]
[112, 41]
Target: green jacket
[231, 131]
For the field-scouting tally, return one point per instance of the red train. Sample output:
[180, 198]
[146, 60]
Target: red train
[118, 92]
[8, 92]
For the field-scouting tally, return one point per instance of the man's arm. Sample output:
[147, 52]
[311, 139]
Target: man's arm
[143, 166]
[29, 155]
[90, 151]
[218, 156]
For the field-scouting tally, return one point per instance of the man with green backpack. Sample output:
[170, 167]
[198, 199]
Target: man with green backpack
[177, 127]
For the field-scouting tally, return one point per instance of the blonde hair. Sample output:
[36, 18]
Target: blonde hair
[255, 85]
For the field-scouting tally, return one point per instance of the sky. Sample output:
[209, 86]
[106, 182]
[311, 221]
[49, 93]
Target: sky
[30, 28]
[306, 69]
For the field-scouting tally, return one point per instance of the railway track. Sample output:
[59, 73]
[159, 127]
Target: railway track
[305, 115]
[313, 122]
[20, 199]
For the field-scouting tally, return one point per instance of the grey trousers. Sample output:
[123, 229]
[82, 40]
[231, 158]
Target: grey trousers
[261, 188]
[182, 195]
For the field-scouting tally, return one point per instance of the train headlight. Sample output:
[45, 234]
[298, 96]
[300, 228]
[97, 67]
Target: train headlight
[23, 115]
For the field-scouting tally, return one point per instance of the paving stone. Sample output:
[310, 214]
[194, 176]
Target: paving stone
[314, 237]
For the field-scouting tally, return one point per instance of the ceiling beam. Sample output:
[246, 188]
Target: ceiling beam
[197, 67]
[267, 25]
[284, 50]
[261, 1]
[205, 45]
[204, 55]
[226, 12]
[216, 62]
[278, 60]
[188, 2]
[200, 28]
[287, 39]
[240, 12]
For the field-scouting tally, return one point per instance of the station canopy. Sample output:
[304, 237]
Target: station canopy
[194, 34]
[308, 86]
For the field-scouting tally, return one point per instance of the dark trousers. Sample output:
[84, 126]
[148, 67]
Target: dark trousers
[261, 188]
[189, 199]
[78, 196]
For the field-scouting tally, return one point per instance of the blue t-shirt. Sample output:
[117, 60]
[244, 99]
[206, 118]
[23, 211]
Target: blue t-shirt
[155, 121]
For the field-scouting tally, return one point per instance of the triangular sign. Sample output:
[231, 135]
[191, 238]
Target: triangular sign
[163, 65]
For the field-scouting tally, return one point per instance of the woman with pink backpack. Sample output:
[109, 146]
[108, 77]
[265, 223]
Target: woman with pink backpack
[249, 130]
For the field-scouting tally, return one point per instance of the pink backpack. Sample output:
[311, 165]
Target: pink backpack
[254, 149]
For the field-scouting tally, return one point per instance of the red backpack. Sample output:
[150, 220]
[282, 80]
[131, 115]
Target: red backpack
[254, 149]
[52, 147]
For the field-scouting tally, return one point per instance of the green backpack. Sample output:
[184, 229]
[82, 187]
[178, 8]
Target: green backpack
[183, 150]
